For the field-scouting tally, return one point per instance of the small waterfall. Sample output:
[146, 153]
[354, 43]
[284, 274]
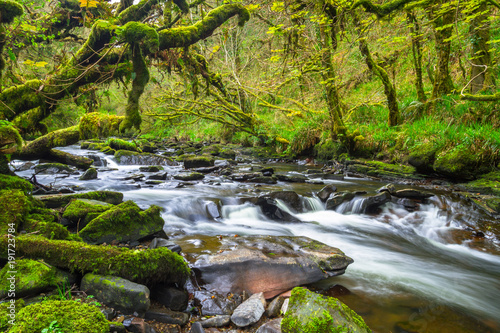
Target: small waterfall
[111, 162]
[312, 204]
[283, 206]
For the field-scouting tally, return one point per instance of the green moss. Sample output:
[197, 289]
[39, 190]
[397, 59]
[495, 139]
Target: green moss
[309, 312]
[51, 230]
[328, 149]
[136, 32]
[125, 222]
[460, 163]
[31, 278]
[422, 157]
[396, 168]
[13, 182]
[45, 166]
[83, 210]
[486, 184]
[99, 125]
[10, 139]
[56, 201]
[71, 316]
[8, 311]
[9, 10]
[150, 266]
[191, 161]
[119, 144]
[14, 206]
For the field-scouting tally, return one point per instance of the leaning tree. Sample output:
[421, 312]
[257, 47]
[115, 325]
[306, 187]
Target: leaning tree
[121, 40]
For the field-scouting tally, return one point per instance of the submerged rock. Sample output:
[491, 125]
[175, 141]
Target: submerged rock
[126, 157]
[260, 263]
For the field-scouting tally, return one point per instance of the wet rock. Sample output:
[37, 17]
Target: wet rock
[151, 168]
[135, 177]
[109, 313]
[115, 328]
[337, 199]
[125, 157]
[326, 191]
[98, 161]
[212, 210]
[123, 223]
[244, 176]
[168, 316]
[56, 201]
[118, 293]
[409, 204]
[212, 303]
[333, 176]
[388, 188]
[197, 328]
[271, 210]
[412, 194]
[89, 174]
[250, 311]
[273, 326]
[193, 162]
[81, 211]
[292, 178]
[206, 170]
[263, 179]
[314, 171]
[173, 298]
[290, 198]
[274, 308]
[217, 321]
[371, 204]
[228, 153]
[212, 150]
[161, 242]
[268, 172]
[260, 263]
[337, 290]
[159, 176]
[52, 168]
[137, 325]
[185, 176]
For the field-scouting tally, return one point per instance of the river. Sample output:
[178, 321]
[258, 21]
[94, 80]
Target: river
[419, 271]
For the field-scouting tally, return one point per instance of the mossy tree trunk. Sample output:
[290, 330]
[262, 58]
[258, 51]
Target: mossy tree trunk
[389, 90]
[480, 73]
[416, 47]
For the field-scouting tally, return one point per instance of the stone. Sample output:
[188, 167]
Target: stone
[137, 325]
[125, 157]
[159, 176]
[56, 201]
[89, 174]
[292, 178]
[337, 199]
[333, 176]
[52, 168]
[161, 242]
[388, 188]
[212, 303]
[250, 311]
[326, 191]
[118, 293]
[196, 328]
[217, 321]
[193, 162]
[81, 211]
[284, 307]
[168, 316]
[98, 161]
[188, 176]
[273, 326]
[371, 204]
[207, 170]
[271, 210]
[212, 210]
[260, 263]
[274, 307]
[151, 168]
[173, 298]
[290, 198]
[412, 194]
[311, 312]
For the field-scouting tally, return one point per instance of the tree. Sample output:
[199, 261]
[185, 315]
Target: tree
[119, 43]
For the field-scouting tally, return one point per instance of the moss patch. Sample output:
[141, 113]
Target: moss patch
[99, 125]
[14, 206]
[118, 144]
[8, 311]
[150, 266]
[486, 184]
[123, 223]
[71, 316]
[82, 211]
[13, 182]
[56, 201]
[460, 163]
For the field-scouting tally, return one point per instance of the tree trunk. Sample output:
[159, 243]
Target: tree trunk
[416, 47]
[480, 76]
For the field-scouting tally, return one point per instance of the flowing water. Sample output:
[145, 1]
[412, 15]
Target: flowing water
[421, 271]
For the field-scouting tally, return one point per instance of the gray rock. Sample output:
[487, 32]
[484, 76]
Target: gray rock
[118, 293]
[193, 162]
[196, 328]
[212, 210]
[159, 176]
[284, 307]
[173, 298]
[333, 176]
[250, 311]
[273, 326]
[271, 210]
[188, 176]
[217, 321]
[371, 204]
[274, 308]
[388, 188]
[151, 168]
[168, 316]
[292, 178]
[412, 194]
[137, 325]
[212, 303]
[326, 191]
[161, 242]
[260, 263]
[89, 174]
[337, 199]
[125, 157]
[290, 198]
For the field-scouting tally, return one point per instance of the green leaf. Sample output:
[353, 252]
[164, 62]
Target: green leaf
[11, 54]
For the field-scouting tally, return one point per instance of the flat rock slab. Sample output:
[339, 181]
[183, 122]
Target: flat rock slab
[268, 264]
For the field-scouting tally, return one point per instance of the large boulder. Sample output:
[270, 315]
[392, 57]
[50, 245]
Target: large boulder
[123, 223]
[268, 264]
[81, 211]
[192, 162]
[126, 157]
[311, 312]
[290, 198]
[118, 293]
[272, 211]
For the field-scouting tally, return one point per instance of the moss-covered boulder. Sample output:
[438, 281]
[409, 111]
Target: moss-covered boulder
[81, 211]
[146, 267]
[57, 200]
[461, 163]
[14, 206]
[191, 162]
[10, 139]
[422, 157]
[52, 168]
[8, 182]
[118, 293]
[8, 313]
[309, 312]
[99, 125]
[382, 170]
[189, 176]
[70, 316]
[227, 153]
[485, 184]
[151, 168]
[30, 278]
[89, 174]
[51, 230]
[118, 144]
[123, 223]
[213, 150]
[126, 157]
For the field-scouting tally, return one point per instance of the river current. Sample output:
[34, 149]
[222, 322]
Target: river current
[421, 271]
